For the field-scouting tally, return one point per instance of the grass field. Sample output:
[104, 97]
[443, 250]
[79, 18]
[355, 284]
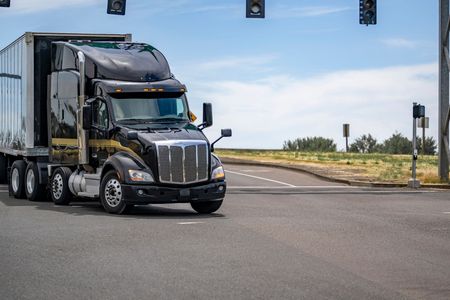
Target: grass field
[355, 166]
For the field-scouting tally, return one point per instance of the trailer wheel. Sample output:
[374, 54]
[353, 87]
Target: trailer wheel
[59, 186]
[17, 180]
[111, 194]
[3, 169]
[206, 207]
[33, 189]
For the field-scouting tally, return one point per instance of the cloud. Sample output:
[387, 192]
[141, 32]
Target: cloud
[284, 11]
[263, 113]
[32, 6]
[399, 43]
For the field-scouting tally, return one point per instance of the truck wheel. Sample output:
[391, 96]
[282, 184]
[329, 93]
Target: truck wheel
[59, 186]
[17, 181]
[33, 189]
[3, 169]
[111, 194]
[206, 207]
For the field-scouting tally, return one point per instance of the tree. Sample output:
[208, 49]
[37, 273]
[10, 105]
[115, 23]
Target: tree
[310, 144]
[397, 144]
[430, 146]
[365, 144]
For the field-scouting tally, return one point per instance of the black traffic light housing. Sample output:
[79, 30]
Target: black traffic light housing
[418, 111]
[368, 12]
[117, 7]
[5, 3]
[256, 9]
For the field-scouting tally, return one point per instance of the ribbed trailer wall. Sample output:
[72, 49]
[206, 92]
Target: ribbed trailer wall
[25, 66]
[13, 106]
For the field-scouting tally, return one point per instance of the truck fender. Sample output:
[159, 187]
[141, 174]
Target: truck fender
[121, 162]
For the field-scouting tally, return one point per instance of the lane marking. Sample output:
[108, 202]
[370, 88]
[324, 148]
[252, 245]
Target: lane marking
[294, 187]
[446, 212]
[261, 178]
[190, 223]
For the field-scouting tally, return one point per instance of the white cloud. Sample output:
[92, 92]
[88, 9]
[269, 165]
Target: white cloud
[306, 11]
[264, 113]
[31, 6]
[399, 43]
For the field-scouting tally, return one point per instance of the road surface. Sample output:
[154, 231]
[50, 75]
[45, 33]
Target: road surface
[279, 235]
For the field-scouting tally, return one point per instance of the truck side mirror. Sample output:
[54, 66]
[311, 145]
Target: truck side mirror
[132, 135]
[87, 117]
[207, 115]
[224, 133]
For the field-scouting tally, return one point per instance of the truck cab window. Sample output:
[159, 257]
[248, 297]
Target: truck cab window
[100, 117]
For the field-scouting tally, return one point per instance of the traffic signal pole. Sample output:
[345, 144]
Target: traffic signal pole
[444, 72]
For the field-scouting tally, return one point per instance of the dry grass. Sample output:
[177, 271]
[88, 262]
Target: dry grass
[356, 166]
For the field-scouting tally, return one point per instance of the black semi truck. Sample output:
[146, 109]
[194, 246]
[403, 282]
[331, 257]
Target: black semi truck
[98, 116]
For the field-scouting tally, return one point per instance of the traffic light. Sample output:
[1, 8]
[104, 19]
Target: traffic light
[5, 3]
[117, 7]
[256, 8]
[368, 12]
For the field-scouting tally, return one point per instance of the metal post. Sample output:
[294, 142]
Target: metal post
[346, 144]
[423, 138]
[444, 113]
[413, 182]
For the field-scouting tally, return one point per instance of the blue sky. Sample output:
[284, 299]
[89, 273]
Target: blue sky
[303, 71]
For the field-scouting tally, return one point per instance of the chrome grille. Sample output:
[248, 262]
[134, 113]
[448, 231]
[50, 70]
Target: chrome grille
[182, 162]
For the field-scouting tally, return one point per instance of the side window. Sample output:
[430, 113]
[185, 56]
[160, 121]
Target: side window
[100, 117]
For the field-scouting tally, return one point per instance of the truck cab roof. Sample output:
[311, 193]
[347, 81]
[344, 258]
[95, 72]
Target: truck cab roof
[122, 61]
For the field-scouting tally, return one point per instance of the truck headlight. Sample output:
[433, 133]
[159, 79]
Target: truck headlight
[218, 173]
[140, 176]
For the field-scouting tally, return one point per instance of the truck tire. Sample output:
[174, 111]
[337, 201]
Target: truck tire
[111, 194]
[3, 169]
[17, 179]
[206, 207]
[33, 190]
[59, 186]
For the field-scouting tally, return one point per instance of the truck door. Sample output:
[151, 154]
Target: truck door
[99, 135]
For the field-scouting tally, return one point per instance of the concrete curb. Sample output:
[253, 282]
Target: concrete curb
[297, 168]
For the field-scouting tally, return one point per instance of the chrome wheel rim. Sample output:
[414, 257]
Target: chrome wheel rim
[15, 179]
[57, 186]
[30, 181]
[113, 192]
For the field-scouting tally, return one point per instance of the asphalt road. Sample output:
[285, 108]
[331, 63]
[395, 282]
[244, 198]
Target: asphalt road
[279, 235]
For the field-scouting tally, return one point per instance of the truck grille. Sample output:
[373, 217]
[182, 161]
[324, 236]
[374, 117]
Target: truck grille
[182, 162]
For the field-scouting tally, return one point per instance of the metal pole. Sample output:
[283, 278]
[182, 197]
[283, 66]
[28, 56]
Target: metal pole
[414, 141]
[346, 143]
[423, 138]
[444, 61]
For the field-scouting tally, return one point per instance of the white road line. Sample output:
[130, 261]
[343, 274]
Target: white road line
[189, 223]
[261, 178]
[446, 212]
[294, 187]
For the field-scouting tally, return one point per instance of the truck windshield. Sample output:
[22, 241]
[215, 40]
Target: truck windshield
[148, 110]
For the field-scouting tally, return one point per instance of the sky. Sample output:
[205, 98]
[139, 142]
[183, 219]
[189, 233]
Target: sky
[303, 71]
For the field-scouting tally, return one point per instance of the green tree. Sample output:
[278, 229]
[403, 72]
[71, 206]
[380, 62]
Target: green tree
[430, 145]
[310, 144]
[397, 144]
[365, 144]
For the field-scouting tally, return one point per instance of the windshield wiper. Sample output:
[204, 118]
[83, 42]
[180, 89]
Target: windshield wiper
[134, 121]
[170, 119]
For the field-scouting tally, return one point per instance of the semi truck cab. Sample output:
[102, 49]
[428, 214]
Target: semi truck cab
[120, 130]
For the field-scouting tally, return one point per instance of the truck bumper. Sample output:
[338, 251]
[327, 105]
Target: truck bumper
[148, 194]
